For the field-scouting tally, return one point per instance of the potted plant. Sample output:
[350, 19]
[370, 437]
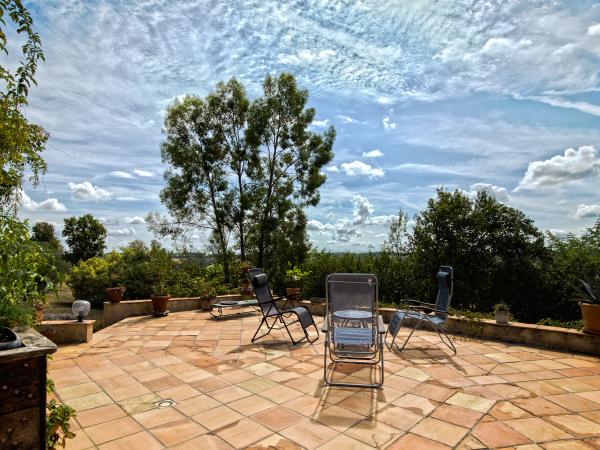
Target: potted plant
[501, 313]
[243, 280]
[159, 267]
[588, 296]
[115, 294]
[294, 277]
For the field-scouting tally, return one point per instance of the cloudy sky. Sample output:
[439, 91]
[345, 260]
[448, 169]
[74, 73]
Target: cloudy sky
[471, 95]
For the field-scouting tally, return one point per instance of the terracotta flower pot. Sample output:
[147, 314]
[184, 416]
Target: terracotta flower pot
[160, 303]
[501, 317]
[115, 294]
[591, 318]
[292, 293]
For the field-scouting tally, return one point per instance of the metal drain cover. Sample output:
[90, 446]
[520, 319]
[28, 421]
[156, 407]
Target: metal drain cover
[164, 404]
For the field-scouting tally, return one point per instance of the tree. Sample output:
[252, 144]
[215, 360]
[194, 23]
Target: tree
[20, 141]
[497, 253]
[43, 232]
[398, 235]
[85, 237]
[197, 193]
[289, 159]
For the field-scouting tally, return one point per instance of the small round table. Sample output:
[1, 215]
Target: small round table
[348, 315]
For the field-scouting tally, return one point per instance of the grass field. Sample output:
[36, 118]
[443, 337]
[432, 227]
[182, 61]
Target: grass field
[60, 302]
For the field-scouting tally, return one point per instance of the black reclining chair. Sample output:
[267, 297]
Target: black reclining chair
[271, 313]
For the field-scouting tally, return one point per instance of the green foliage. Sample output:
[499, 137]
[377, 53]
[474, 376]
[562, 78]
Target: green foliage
[20, 141]
[294, 276]
[131, 272]
[589, 291]
[43, 232]
[89, 279]
[159, 267]
[58, 417]
[25, 273]
[575, 324]
[85, 237]
[501, 307]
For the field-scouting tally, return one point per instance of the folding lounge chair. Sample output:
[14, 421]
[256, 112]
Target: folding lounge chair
[353, 327]
[271, 313]
[434, 314]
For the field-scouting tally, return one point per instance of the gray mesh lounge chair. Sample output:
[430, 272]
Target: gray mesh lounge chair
[271, 313]
[353, 327]
[434, 314]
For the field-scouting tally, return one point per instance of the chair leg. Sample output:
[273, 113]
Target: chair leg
[269, 328]
[448, 342]
[409, 335]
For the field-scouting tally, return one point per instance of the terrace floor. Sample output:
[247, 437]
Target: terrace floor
[229, 393]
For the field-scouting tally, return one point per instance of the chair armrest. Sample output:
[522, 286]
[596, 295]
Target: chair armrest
[325, 327]
[380, 325]
[417, 302]
[429, 308]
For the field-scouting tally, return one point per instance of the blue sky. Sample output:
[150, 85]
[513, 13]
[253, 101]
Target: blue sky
[470, 95]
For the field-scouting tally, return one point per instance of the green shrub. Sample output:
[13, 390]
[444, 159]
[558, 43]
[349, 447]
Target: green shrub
[89, 279]
[25, 273]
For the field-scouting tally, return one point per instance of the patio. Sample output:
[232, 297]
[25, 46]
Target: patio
[230, 393]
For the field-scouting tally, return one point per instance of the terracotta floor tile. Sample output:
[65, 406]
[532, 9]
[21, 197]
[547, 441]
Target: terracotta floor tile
[575, 424]
[280, 394]
[99, 415]
[539, 406]
[257, 385]
[250, 405]
[243, 433]
[134, 390]
[573, 402]
[342, 442]
[537, 429]
[497, 434]
[90, 401]
[470, 402]
[306, 405]
[179, 393]
[229, 394]
[439, 431]
[139, 441]
[139, 404]
[568, 445]
[416, 404]
[217, 418]
[309, 434]
[373, 432]
[113, 429]
[456, 415]
[433, 392]
[397, 417]
[79, 390]
[196, 405]
[274, 441]
[204, 442]
[540, 388]
[209, 384]
[176, 432]
[415, 442]
[277, 418]
[340, 419]
[155, 417]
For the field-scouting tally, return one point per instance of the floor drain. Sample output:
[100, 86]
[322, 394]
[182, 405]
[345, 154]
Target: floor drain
[164, 404]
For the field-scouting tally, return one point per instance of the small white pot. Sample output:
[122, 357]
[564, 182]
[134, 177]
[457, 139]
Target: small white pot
[502, 317]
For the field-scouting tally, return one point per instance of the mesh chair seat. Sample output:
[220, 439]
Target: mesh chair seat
[353, 336]
[402, 314]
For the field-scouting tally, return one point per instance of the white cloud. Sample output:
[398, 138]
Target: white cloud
[121, 232]
[345, 230]
[499, 192]
[347, 119]
[50, 204]
[128, 198]
[572, 166]
[362, 210]
[307, 57]
[315, 225]
[121, 174]
[108, 220]
[86, 191]
[372, 154]
[332, 169]
[388, 124]
[320, 123]
[142, 173]
[559, 102]
[135, 220]
[355, 168]
[584, 210]
[594, 30]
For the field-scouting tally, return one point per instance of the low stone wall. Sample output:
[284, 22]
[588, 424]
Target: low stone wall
[523, 333]
[113, 312]
[70, 331]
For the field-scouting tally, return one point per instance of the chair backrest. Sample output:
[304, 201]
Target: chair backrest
[351, 292]
[260, 284]
[445, 281]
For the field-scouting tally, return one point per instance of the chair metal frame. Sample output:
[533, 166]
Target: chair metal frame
[335, 352]
[422, 312]
[269, 310]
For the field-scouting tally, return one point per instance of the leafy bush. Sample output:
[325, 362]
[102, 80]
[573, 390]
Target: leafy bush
[25, 273]
[89, 279]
